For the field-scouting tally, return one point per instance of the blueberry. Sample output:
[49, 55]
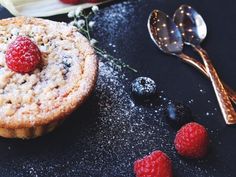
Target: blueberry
[177, 114]
[143, 88]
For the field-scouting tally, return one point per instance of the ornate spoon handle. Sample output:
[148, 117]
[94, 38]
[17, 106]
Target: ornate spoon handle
[222, 96]
[201, 67]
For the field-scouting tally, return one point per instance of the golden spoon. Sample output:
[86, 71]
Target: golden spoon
[193, 29]
[167, 37]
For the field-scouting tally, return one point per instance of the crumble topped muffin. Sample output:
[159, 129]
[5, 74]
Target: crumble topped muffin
[34, 103]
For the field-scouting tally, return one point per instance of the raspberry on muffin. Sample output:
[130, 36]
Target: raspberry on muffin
[23, 55]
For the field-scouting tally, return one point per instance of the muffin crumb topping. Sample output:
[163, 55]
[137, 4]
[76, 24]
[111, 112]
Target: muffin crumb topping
[34, 95]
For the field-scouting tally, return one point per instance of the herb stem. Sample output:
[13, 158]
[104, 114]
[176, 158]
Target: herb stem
[87, 27]
[84, 31]
[116, 61]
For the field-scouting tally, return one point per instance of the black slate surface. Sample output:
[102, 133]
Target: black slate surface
[72, 150]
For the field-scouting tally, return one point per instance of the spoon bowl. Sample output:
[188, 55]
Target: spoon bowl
[191, 24]
[164, 33]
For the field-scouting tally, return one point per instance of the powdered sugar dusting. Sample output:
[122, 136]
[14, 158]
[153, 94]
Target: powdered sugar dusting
[112, 133]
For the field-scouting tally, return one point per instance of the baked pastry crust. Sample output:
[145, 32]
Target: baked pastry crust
[45, 97]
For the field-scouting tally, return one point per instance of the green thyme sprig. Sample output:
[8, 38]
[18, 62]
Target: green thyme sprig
[82, 21]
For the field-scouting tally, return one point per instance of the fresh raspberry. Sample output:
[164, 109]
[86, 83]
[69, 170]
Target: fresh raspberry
[192, 141]
[22, 55]
[157, 164]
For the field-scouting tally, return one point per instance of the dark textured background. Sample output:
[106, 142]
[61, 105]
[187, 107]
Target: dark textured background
[55, 155]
